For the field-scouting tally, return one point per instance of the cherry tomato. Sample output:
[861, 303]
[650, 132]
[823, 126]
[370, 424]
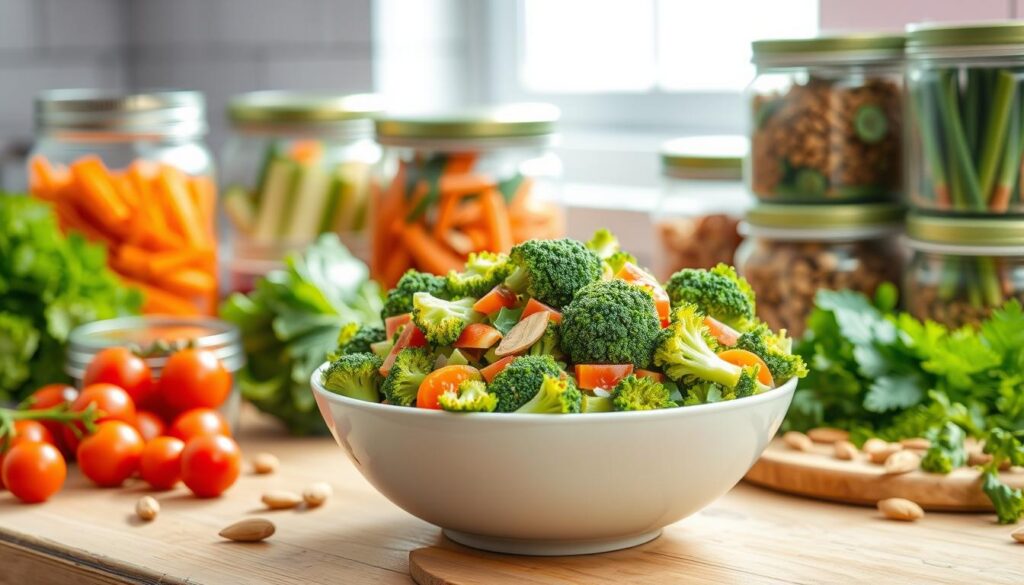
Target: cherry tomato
[34, 471]
[199, 422]
[111, 454]
[160, 465]
[149, 424]
[25, 431]
[122, 368]
[111, 402]
[210, 465]
[47, 397]
[194, 378]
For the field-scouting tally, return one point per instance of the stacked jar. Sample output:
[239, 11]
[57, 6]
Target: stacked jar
[966, 147]
[296, 165]
[132, 172]
[825, 166]
[702, 202]
[449, 185]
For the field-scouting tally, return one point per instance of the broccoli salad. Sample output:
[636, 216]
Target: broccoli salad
[560, 327]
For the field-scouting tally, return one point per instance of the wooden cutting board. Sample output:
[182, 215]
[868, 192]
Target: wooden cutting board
[818, 474]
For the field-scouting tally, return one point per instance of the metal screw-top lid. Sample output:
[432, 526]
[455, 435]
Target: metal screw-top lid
[524, 120]
[349, 115]
[844, 49]
[933, 35]
[169, 113]
[967, 231]
[712, 157]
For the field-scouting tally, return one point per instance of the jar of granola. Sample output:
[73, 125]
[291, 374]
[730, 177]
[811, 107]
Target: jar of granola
[792, 251]
[702, 201]
[826, 118]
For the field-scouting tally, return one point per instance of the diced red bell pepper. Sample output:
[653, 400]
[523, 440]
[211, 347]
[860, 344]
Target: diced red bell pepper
[494, 369]
[477, 336]
[590, 376]
[499, 297]
[656, 376]
[410, 336]
[633, 274]
[535, 306]
[391, 324]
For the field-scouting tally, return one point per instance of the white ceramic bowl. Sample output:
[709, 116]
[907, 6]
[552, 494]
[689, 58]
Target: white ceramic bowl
[553, 484]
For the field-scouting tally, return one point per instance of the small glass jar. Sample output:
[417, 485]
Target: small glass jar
[156, 338]
[826, 119]
[132, 172]
[792, 251]
[449, 185]
[295, 166]
[703, 199]
[963, 268]
[966, 139]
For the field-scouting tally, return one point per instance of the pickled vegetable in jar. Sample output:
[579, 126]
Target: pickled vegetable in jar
[295, 166]
[826, 119]
[702, 202]
[792, 251]
[451, 185]
[131, 172]
[963, 268]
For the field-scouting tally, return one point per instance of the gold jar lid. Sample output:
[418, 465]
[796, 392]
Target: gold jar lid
[509, 121]
[700, 156]
[176, 113]
[292, 107]
[825, 216]
[962, 231]
[928, 36]
[853, 48]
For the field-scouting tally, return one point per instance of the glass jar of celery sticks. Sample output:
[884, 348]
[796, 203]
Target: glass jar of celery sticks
[456, 183]
[296, 165]
[962, 267]
[966, 85]
[826, 119]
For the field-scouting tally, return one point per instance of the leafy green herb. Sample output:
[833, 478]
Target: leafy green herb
[947, 451]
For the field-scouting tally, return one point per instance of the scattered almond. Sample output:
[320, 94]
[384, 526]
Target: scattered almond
[316, 494]
[916, 443]
[977, 457]
[265, 463]
[281, 500]
[845, 450]
[1018, 535]
[900, 509]
[828, 435]
[249, 530]
[902, 462]
[147, 508]
[524, 334]
[797, 440]
[878, 450]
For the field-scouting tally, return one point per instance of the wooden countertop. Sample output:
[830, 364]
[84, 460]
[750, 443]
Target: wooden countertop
[91, 535]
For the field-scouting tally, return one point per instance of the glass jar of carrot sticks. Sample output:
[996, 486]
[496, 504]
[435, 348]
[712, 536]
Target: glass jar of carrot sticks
[131, 172]
[962, 267]
[966, 92]
[296, 165]
[450, 185]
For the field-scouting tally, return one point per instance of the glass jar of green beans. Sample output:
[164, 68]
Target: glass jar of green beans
[962, 268]
[966, 86]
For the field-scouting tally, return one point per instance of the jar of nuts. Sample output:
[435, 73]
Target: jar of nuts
[792, 251]
[826, 117]
[702, 202]
[963, 268]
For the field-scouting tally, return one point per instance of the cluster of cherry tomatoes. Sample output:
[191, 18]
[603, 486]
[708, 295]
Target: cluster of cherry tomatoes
[164, 430]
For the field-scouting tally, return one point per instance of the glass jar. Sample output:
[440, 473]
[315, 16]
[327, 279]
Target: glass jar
[449, 185]
[156, 338]
[702, 201]
[132, 172]
[826, 119]
[963, 268]
[792, 251]
[296, 165]
[967, 125]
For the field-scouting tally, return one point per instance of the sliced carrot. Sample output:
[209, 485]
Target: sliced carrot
[97, 197]
[493, 301]
[535, 306]
[204, 195]
[491, 371]
[443, 380]
[190, 282]
[160, 302]
[656, 376]
[725, 335]
[497, 220]
[606, 376]
[469, 213]
[460, 162]
[521, 197]
[410, 336]
[428, 254]
[394, 267]
[633, 274]
[478, 236]
[477, 336]
[459, 242]
[392, 324]
[43, 180]
[744, 358]
[70, 220]
[306, 151]
[183, 215]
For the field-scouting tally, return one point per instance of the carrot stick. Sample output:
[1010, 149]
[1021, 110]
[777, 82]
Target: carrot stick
[428, 254]
[497, 220]
[157, 301]
[478, 236]
[182, 213]
[395, 266]
[187, 283]
[204, 194]
[98, 198]
[70, 220]
[43, 180]
[460, 162]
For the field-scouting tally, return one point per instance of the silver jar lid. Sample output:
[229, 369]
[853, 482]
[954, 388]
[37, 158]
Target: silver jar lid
[165, 113]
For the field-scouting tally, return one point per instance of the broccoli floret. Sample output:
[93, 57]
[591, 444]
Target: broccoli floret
[614, 263]
[610, 322]
[442, 321]
[607, 248]
[552, 270]
[471, 396]
[549, 343]
[718, 293]
[634, 393]
[403, 380]
[703, 392]
[355, 338]
[484, 271]
[683, 352]
[557, 395]
[521, 379]
[399, 299]
[776, 350]
[356, 375]
[593, 403]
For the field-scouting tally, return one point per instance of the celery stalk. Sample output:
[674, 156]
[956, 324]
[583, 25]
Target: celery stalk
[995, 131]
[948, 109]
[991, 289]
[926, 121]
[1010, 165]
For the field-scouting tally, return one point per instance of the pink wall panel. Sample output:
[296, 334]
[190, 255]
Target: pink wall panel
[894, 15]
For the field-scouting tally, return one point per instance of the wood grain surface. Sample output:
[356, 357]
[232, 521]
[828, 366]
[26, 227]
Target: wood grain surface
[90, 535]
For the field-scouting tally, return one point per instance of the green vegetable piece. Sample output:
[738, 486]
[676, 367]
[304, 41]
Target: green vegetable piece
[552, 270]
[356, 338]
[947, 451]
[354, 375]
[407, 373]
[718, 293]
[593, 403]
[810, 183]
[777, 352]
[457, 358]
[610, 322]
[557, 395]
[484, 271]
[471, 396]
[399, 299]
[442, 321]
[549, 343]
[870, 123]
[1008, 502]
[521, 380]
[506, 319]
[633, 393]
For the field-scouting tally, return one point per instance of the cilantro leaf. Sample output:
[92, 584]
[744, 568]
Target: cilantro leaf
[893, 393]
